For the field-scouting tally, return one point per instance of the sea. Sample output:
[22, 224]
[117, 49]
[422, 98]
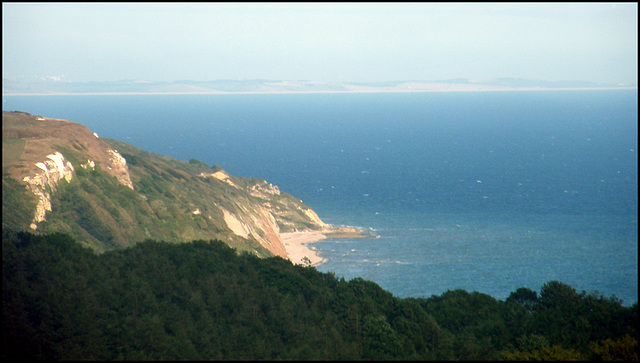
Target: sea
[481, 191]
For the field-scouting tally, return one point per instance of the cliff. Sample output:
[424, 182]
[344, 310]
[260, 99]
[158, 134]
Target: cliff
[110, 194]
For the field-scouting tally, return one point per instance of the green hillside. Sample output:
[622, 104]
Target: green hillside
[60, 177]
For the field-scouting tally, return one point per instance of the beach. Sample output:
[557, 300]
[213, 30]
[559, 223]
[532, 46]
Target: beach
[295, 243]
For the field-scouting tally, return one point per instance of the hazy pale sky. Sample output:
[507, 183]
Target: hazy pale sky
[320, 41]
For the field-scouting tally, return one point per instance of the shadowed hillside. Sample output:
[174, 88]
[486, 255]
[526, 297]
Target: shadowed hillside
[203, 301]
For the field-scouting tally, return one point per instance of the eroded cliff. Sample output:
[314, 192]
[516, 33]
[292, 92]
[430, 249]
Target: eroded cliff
[110, 194]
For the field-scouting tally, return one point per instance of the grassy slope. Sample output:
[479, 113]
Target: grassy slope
[105, 214]
[171, 200]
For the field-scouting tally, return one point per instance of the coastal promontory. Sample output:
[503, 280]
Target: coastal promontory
[59, 176]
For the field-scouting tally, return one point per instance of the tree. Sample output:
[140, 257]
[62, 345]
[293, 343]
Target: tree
[623, 349]
[559, 316]
[525, 297]
[552, 353]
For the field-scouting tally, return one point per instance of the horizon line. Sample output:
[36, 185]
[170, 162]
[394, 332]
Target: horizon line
[498, 89]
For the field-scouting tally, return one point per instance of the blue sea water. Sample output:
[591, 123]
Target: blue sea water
[483, 191]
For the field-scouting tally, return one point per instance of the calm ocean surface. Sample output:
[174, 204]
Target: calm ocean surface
[483, 191]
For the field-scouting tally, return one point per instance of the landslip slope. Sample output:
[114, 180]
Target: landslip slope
[58, 176]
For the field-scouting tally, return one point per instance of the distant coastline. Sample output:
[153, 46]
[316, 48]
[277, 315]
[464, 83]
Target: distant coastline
[317, 92]
[230, 87]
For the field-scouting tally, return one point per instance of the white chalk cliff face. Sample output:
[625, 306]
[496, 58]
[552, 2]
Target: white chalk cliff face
[56, 168]
[258, 223]
[314, 218]
[261, 219]
[46, 181]
[117, 166]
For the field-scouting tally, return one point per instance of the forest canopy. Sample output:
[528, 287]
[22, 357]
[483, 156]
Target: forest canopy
[204, 300]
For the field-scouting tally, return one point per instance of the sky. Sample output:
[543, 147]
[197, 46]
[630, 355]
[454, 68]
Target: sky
[330, 42]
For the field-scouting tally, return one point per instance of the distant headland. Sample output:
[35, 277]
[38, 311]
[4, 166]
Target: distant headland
[260, 86]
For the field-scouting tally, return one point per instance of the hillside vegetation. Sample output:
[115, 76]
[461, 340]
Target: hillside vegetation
[203, 300]
[58, 176]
